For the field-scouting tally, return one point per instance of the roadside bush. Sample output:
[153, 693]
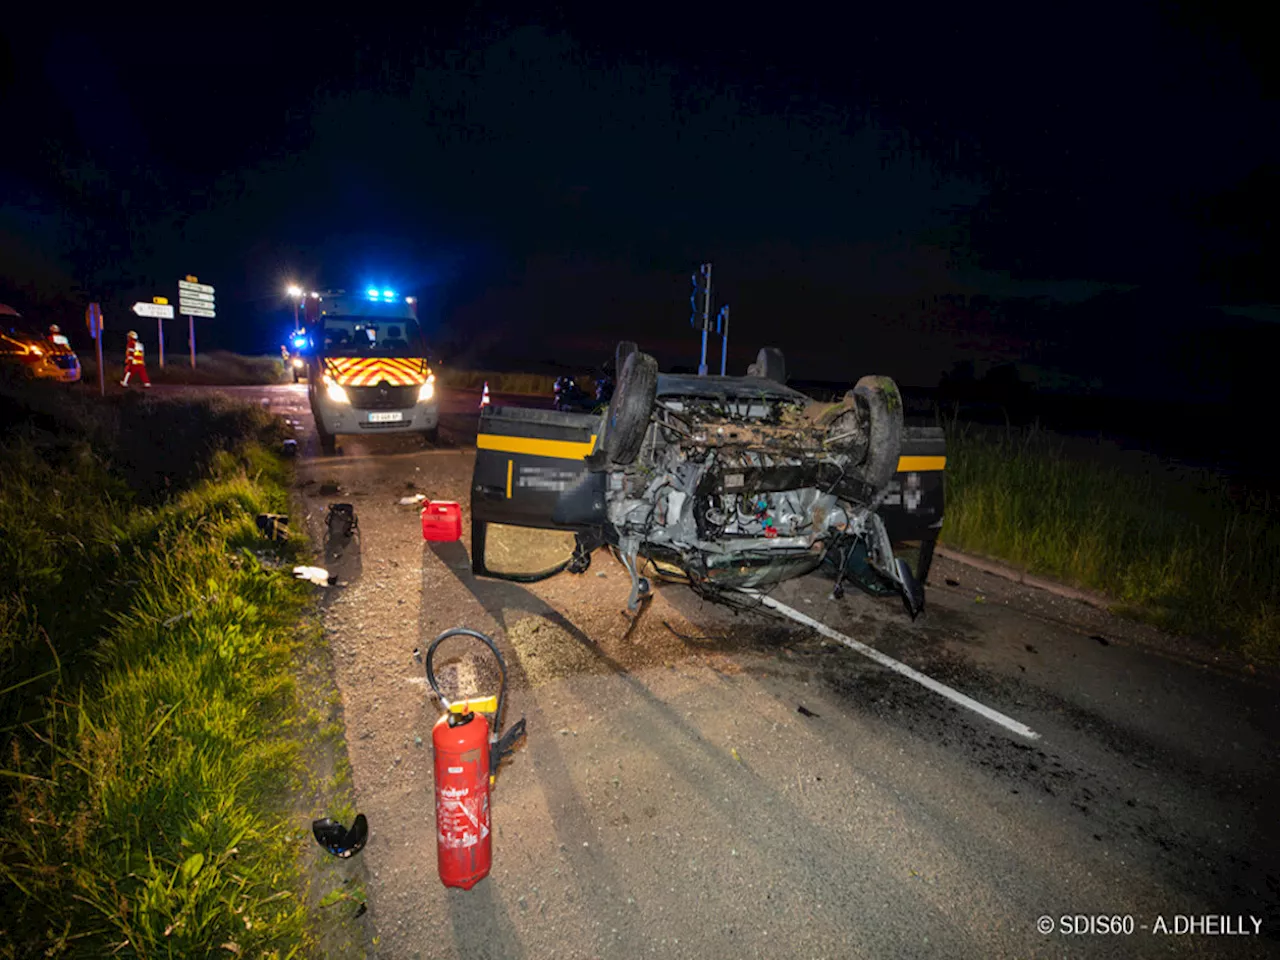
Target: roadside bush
[1168, 544]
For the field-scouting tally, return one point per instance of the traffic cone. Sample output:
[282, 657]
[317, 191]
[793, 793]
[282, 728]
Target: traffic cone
[484, 397]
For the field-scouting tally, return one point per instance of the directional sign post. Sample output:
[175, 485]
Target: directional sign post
[195, 299]
[162, 311]
[93, 318]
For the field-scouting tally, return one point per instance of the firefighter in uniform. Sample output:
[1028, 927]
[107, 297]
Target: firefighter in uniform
[55, 336]
[133, 362]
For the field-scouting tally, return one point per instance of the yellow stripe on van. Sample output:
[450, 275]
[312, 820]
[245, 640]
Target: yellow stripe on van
[560, 449]
[917, 464]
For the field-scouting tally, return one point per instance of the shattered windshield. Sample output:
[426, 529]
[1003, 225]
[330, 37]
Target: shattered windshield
[372, 337]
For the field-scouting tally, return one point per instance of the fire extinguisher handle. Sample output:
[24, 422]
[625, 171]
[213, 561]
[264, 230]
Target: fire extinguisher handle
[502, 668]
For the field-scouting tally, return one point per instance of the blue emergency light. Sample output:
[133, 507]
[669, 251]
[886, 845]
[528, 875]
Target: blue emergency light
[299, 342]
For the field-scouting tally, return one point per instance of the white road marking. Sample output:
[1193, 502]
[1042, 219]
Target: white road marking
[885, 660]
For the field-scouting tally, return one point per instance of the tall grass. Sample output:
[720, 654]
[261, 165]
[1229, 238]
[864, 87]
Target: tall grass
[1168, 544]
[145, 680]
[534, 384]
[217, 367]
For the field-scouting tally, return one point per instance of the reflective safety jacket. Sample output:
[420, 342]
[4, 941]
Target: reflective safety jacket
[133, 353]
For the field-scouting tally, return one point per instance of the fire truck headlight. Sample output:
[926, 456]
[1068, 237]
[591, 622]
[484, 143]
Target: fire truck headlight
[427, 390]
[297, 363]
[336, 393]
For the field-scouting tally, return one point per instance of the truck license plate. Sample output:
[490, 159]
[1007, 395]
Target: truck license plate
[391, 417]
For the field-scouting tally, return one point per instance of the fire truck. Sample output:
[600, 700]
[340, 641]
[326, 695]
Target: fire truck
[367, 370]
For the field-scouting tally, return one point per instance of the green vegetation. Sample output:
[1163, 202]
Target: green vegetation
[148, 711]
[527, 383]
[215, 368]
[1170, 545]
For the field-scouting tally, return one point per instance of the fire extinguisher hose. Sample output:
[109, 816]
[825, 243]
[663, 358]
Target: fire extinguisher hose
[502, 668]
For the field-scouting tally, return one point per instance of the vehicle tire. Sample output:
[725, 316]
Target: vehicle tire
[627, 419]
[625, 349]
[770, 365]
[328, 443]
[882, 401]
[431, 438]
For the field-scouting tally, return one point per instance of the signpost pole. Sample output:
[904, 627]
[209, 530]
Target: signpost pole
[724, 338]
[102, 369]
[160, 337]
[191, 335]
[706, 318]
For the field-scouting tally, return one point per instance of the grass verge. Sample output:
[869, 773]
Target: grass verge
[215, 368]
[1170, 545]
[534, 384]
[147, 692]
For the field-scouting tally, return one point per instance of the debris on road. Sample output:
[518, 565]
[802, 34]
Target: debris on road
[317, 575]
[289, 448]
[805, 711]
[273, 526]
[337, 839]
[341, 520]
[413, 500]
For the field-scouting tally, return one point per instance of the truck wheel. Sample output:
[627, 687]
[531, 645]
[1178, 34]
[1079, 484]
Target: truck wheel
[770, 365]
[328, 443]
[881, 399]
[627, 419]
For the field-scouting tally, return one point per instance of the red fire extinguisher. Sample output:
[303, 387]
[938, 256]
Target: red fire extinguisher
[468, 751]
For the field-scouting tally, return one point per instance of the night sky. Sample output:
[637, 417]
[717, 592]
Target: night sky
[881, 191]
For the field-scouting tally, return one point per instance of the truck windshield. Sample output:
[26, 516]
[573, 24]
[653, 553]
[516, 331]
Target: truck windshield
[372, 337]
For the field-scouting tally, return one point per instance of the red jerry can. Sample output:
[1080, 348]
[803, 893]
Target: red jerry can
[442, 521]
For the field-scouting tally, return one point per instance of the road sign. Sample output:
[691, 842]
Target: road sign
[159, 299]
[161, 311]
[197, 311]
[193, 295]
[195, 287]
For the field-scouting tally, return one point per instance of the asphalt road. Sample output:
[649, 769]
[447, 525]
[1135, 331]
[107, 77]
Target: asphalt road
[674, 800]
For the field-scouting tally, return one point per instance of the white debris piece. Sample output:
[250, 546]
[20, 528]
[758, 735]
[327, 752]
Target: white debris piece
[317, 575]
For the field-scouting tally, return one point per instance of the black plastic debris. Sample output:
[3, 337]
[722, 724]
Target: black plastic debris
[341, 520]
[952, 583]
[273, 526]
[802, 709]
[337, 839]
[1101, 639]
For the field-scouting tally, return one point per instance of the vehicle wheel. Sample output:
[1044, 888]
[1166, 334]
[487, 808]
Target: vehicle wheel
[770, 365]
[431, 438]
[630, 409]
[625, 349]
[328, 443]
[882, 401]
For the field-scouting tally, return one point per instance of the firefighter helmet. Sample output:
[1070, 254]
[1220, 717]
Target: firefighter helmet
[54, 328]
[133, 334]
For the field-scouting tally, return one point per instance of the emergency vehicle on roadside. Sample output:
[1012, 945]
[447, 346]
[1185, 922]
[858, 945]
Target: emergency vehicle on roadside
[45, 356]
[367, 370]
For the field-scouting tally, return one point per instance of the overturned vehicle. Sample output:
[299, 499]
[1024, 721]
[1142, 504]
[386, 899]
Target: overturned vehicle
[724, 483]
